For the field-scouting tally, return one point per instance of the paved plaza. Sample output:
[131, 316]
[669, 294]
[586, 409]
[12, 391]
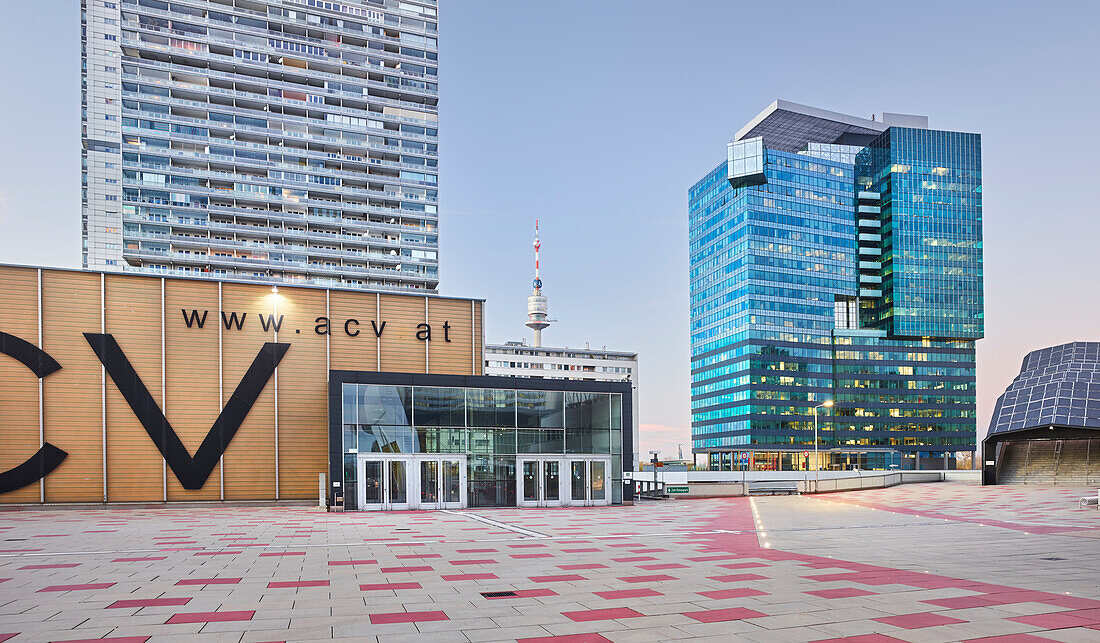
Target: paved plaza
[929, 562]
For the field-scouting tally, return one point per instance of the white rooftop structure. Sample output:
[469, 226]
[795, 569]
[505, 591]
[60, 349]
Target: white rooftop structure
[790, 126]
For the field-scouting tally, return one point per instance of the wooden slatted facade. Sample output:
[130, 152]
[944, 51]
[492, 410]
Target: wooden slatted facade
[191, 364]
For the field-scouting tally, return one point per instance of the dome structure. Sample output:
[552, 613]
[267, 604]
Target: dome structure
[1045, 427]
[1057, 386]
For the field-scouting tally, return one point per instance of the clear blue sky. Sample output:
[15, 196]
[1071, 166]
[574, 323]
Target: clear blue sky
[595, 117]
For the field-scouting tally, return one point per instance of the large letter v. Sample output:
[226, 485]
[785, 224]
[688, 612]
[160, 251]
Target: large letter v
[191, 472]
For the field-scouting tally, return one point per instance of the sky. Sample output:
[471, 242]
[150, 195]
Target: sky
[596, 117]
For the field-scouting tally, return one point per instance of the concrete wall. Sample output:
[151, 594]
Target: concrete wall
[711, 484]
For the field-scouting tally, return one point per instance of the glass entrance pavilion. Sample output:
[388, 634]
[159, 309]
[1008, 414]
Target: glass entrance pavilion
[418, 441]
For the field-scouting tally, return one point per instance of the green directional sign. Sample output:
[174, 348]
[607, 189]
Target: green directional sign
[683, 489]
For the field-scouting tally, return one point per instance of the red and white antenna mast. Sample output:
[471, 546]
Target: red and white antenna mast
[537, 305]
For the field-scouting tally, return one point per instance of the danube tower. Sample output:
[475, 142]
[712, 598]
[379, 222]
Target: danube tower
[537, 309]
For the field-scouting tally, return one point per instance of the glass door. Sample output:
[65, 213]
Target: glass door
[371, 484]
[600, 485]
[397, 487]
[529, 483]
[551, 483]
[429, 483]
[442, 482]
[383, 483]
[453, 483]
[589, 482]
[578, 482]
[539, 482]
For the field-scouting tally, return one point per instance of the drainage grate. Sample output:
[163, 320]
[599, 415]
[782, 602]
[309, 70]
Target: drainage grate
[1052, 558]
[499, 594]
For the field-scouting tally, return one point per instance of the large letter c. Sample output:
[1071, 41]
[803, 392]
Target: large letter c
[47, 458]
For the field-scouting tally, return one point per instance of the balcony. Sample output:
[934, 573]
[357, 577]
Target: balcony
[273, 264]
[279, 133]
[289, 167]
[396, 102]
[353, 254]
[271, 279]
[265, 34]
[278, 149]
[272, 215]
[274, 231]
[243, 195]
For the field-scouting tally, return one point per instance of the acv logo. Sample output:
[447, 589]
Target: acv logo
[192, 472]
[47, 458]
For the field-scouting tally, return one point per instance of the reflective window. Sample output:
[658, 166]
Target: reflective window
[492, 440]
[386, 439]
[389, 405]
[540, 409]
[587, 441]
[490, 407]
[540, 441]
[440, 406]
[587, 410]
[441, 440]
[492, 481]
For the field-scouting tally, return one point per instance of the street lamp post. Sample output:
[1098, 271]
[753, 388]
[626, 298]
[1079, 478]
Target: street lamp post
[817, 462]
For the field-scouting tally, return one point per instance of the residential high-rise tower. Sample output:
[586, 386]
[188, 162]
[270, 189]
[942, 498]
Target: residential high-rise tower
[836, 282]
[269, 140]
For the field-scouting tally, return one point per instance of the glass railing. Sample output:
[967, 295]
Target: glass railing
[425, 228]
[305, 266]
[285, 19]
[274, 279]
[272, 52]
[175, 169]
[280, 247]
[206, 156]
[270, 131]
[269, 149]
[334, 109]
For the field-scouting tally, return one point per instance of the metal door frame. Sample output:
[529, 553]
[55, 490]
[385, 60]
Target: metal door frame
[565, 479]
[463, 486]
[412, 480]
[588, 460]
[540, 479]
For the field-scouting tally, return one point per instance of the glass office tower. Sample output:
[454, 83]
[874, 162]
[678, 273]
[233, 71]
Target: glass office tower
[836, 272]
[268, 140]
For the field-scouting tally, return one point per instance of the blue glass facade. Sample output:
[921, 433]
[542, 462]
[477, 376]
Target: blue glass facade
[930, 187]
[786, 271]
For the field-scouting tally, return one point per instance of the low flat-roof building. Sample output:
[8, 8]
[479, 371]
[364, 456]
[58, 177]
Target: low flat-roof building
[127, 388]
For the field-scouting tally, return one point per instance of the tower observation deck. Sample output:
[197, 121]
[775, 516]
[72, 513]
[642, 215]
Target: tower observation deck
[537, 305]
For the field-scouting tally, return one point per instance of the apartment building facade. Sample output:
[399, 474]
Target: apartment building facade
[836, 293]
[277, 141]
[519, 359]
